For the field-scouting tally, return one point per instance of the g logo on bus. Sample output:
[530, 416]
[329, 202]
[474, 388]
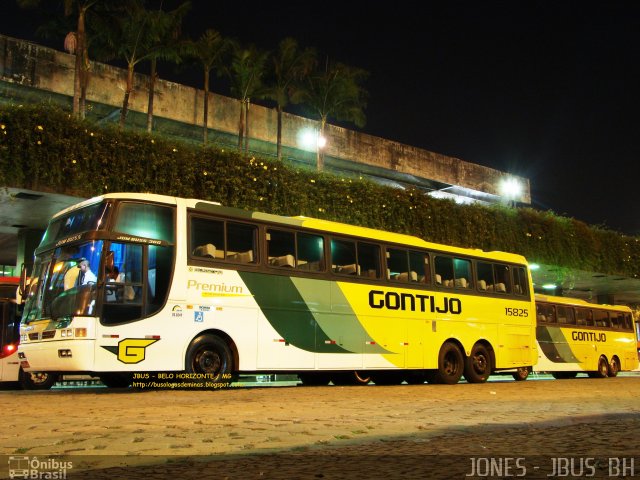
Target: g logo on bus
[131, 350]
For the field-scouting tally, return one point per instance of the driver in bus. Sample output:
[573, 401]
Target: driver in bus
[86, 275]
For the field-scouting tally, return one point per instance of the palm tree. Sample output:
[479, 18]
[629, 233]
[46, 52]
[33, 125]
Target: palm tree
[289, 64]
[245, 72]
[335, 92]
[134, 38]
[165, 28]
[210, 49]
[76, 43]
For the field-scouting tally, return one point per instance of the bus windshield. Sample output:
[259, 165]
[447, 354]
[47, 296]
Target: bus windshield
[63, 284]
[92, 217]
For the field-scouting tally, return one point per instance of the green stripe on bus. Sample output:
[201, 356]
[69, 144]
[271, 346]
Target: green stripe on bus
[342, 326]
[554, 345]
[288, 312]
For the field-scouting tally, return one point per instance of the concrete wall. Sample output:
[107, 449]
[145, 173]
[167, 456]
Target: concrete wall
[35, 66]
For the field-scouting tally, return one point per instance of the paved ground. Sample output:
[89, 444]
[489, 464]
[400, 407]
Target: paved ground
[500, 429]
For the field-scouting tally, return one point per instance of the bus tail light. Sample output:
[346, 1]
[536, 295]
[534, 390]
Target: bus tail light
[81, 332]
[8, 350]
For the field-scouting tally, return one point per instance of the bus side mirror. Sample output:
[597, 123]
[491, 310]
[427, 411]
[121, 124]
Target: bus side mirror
[22, 286]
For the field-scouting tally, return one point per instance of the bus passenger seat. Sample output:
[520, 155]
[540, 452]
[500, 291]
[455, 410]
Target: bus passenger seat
[482, 285]
[438, 279]
[407, 276]
[208, 250]
[501, 287]
[461, 283]
[352, 269]
[244, 257]
[283, 261]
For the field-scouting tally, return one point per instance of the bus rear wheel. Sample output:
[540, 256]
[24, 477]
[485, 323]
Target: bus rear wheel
[614, 367]
[478, 365]
[450, 364]
[522, 374]
[37, 380]
[211, 355]
[603, 369]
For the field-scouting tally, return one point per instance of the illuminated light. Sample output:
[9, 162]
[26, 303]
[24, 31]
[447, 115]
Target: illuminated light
[155, 337]
[81, 332]
[310, 140]
[549, 286]
[510, 188]
[9, 349]
[534, 266]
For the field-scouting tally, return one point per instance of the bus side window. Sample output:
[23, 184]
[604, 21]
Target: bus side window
[369, 260]
[462, 273]
[545, 313]
[343, 257]
[503, 278]
[485, 276]
[241, 242]
[444, 271]
[419, 267]
[581, 316]
[589, 318]
[601, 318]
[207, 238]
[520, 281]
[310, 254]
[565, 315]
[281, 248]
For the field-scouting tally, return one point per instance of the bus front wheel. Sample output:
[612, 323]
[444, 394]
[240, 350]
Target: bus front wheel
[37, 380]
[211, 355]
[450, 364]
[478, 365]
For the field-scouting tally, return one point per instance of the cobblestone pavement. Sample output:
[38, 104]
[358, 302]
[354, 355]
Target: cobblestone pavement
[571, 428]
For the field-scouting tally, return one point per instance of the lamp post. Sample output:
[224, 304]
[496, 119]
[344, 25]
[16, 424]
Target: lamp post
[511, 190]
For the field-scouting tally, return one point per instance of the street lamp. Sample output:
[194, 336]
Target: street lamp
[510, 189]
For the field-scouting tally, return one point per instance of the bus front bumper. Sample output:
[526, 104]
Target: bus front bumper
[59, 356]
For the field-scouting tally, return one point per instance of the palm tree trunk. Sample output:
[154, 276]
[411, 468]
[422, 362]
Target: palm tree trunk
[246, 129]
[320, 149]
[279, 133]
[81, 45]
[152, 90]
[205, 109]
[127, 94]
[241, 126]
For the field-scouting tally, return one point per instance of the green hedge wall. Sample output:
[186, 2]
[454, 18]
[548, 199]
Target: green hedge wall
[43, 148]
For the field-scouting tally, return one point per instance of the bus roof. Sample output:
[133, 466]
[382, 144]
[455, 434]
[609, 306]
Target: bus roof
[578, 302]
[302, 221]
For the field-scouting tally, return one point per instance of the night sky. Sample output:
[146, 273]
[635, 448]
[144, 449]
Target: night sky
[549, 90]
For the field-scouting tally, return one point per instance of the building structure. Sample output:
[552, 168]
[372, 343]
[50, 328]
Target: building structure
[33, 73]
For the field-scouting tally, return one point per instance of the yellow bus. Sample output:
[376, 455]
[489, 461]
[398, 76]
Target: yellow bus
[576, 336]
[127, 283]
